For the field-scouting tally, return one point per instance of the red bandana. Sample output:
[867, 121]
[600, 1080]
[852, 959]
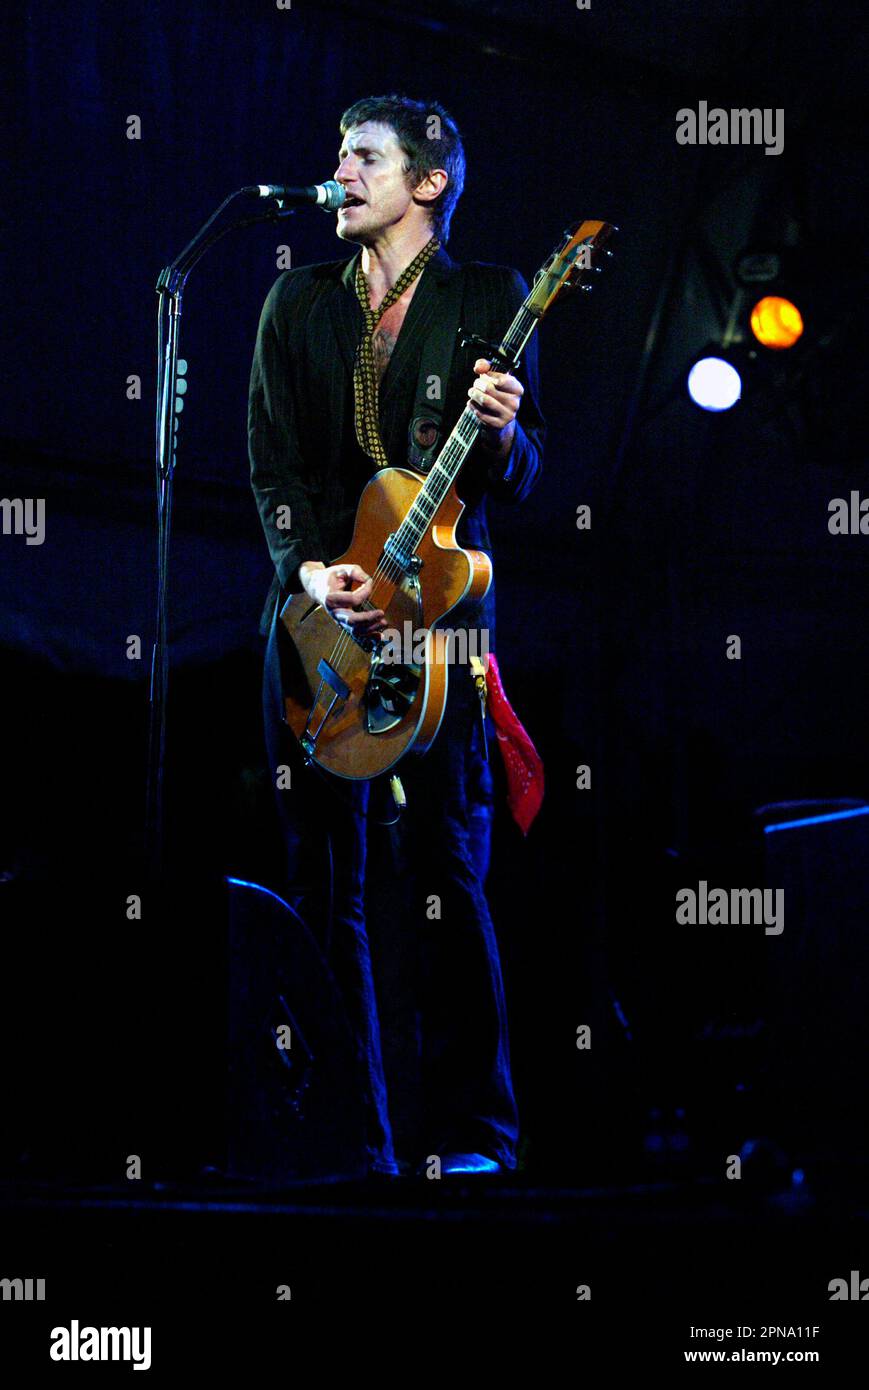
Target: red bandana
[522, 762]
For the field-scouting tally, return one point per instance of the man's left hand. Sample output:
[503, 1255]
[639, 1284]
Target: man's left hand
[494, 399]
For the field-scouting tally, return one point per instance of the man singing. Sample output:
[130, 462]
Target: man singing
[333, 385]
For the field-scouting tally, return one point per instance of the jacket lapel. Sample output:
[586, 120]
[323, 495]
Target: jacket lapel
[347, 319]
[421, 312]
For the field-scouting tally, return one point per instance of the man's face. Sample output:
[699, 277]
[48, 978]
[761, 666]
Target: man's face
[371, 168]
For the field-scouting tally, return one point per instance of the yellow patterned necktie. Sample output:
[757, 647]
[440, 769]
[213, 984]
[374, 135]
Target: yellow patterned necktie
[366, 387]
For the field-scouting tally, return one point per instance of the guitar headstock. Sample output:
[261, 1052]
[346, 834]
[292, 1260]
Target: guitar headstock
[571, 265]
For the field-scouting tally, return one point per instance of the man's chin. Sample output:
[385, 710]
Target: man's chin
[351, 234]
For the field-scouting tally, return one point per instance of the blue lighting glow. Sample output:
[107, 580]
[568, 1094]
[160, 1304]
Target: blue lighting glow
[816, 820]
[714, 384]
[243, 883]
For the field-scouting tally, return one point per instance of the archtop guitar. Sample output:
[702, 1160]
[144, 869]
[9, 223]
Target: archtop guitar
[354, 705]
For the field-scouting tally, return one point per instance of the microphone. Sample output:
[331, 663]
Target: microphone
[329, 196]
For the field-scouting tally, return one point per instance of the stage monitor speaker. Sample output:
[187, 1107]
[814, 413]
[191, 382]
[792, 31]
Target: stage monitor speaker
[294, 1110]
[819, 967]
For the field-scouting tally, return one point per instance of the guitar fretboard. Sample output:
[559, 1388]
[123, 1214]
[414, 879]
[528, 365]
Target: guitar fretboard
[457, 447]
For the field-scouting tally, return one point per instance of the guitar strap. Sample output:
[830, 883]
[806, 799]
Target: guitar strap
[426, 424]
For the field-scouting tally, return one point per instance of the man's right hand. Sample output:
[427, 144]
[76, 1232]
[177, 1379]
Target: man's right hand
[343, 590]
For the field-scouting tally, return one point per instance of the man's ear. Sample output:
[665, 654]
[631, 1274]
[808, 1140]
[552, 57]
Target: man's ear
[431, 187]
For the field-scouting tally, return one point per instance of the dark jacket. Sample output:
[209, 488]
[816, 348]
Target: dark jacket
[301, 436]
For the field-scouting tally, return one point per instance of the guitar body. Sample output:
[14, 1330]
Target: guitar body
[355, 714]
[355, 706]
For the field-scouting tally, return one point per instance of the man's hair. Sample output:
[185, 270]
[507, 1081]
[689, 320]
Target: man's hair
[430, 139]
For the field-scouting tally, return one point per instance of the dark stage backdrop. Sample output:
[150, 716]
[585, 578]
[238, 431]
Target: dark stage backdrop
[231, 94]
[557, 125]
[610, 641]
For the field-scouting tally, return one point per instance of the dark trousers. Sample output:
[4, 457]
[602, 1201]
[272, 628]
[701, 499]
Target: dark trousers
[467, 1100]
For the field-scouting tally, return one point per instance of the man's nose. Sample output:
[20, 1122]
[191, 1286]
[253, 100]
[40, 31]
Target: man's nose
[344, 172]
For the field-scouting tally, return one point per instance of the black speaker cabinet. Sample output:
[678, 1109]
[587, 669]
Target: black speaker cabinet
[819, 976]
[293, 1105]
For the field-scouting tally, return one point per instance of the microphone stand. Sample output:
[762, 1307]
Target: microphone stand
[170, 289]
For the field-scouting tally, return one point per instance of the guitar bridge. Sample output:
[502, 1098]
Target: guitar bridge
[332, 679]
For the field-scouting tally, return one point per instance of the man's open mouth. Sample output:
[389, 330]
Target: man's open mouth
[351, 202]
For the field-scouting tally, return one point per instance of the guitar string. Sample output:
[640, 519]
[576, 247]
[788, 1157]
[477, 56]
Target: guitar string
[465, 431]
[389, 568]
[464, 434]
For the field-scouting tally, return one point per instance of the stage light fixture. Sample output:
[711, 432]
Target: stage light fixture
[714, 383]
[757, 266]
[776, 322]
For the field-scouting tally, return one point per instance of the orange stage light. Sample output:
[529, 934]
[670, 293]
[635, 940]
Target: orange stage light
[776, 323]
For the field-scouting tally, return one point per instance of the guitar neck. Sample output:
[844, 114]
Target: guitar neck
[563, 269]
[460, 442]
